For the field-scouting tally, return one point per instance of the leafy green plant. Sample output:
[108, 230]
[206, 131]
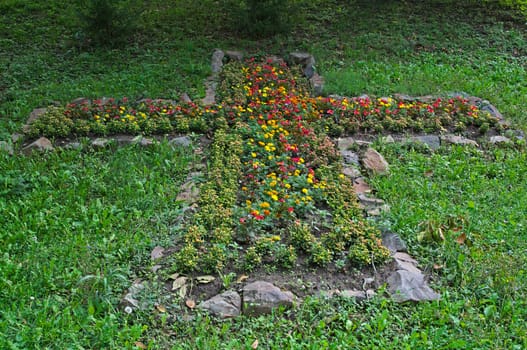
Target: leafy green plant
[105, 22]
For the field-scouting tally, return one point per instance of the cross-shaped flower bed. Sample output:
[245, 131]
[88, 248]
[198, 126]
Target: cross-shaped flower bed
[275, 193]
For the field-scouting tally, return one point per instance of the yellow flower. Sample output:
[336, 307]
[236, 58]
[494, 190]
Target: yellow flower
[305, 190]
[265, 205]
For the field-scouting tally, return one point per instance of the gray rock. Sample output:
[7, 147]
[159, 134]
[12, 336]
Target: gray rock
[405, 262]
[485, 106]
[350, 157]
[432, 141]
[217, 61]
[404, 286]
[361, 186]
[6, 147]
[345, 143]
[353, 293]
[234, 55]
[368, 201]
[375, 162]
[125, 139]
[351, 172]
[457, 140]
[41, 145]
[393, 242]
[73, 145]
[35, 114]
[145, 142]
[262, 297]
[181, 141]
[499, 139]
[210, 93]
[302, 58]
[317, 84]
[100, 142]
[224, 305]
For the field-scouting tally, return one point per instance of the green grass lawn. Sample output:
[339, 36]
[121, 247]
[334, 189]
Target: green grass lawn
[76, 226]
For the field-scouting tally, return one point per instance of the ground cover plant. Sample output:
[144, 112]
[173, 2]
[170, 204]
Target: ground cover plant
[412, 47]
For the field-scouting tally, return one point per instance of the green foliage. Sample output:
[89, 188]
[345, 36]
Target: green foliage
[263, 18]
[105, 22]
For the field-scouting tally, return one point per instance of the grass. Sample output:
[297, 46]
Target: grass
[75, 227]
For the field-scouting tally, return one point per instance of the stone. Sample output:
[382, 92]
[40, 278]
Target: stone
[431, 141]
[225, 305]
[375, 162]
[100, 142]
[157, 253]
[234, 55]
[405, 262]
[184, 141]
[353, 293]
[217, 61]
[210, 93]
[184, 98]
[360, 186]
[125, 139]
[457, 140]
[409, 286]
[345, 143]
[367, 201]
[486, 106]
[302, 58]
[350, 157]
[499, 139]
[73, 145]
[393, 242]
[6, 147]
[351, 172]
[145, 142]
[41, 145]
[35, 114]
[317, 84]
[262, 297]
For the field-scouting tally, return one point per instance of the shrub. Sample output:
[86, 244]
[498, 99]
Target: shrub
[105, 22]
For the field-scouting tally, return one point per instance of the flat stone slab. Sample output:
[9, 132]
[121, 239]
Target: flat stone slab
[499, 139]
[41, 145]
[457, 140]
[409, 286]
[225, 305]
[375, 162]
[431, 141]
[262, 297]
[393, 242]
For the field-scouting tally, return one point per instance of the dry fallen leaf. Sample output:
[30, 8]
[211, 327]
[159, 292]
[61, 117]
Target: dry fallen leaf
[161, 308]
[205, 279]
[429, 173]
[461, 238]
[190, 303]
[182, 292]
[438, 267]
[178, 283]
[174, 276]
[254, 345]
[140, 345]
[242, 278]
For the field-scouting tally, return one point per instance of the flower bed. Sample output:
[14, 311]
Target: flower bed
[274, 193]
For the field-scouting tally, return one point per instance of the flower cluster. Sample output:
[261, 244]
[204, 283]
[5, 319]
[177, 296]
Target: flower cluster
[349, 115]
[110, 116]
